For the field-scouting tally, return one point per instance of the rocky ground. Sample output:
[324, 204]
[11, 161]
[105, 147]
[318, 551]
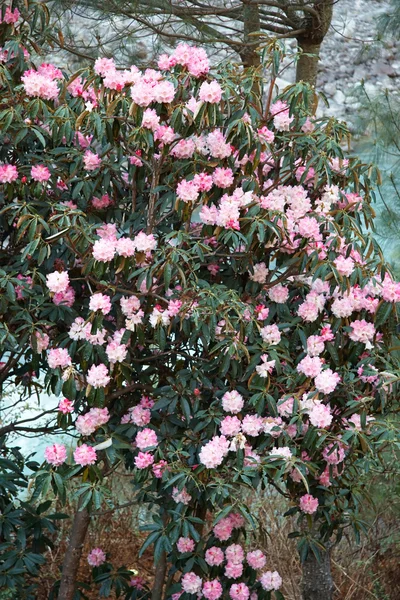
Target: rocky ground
[350, 55]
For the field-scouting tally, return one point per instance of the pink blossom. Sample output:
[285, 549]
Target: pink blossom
[310, 366]
[144, 460]
[308, 126]
[164, 92]
[140, 416]
[315, 345]
[59, 357]
[191, 583]
[184, 149]
[256, 559]
[344, 266]
[147, 438]
[214, 556]
[11, 16]
[308, 504]
[363, 332]
[98, 376]
[150, 119]
[272, 426]
[282, 118]
[252, 425]
[181, 496]
[285, 407]
[101, 203]
[232, 402]
[96, 557]
[116, 352]
[39, 85]
[100, 302]
[320, 415]
[223, 529]
[185, 545]
[88, 423]
[102, 66]
[334, 453]
[223, 178]
[279, 293]
[91, 161]
[104, 250]
[270, 580]
[212, 590]
[282, 452]
[56, 454]
[390, 289]
[326, 333]
[187, 191]
[308, 311]
[327, 381]
[66, 298]
[164, 134]
[159, 468]
[260, 273]
[40, 173]
[233, 570]
[8, 173]
[203, 181]
[266, 135]
[42, 341]
[230, 426]
[144, 242]
[57, 281]
[85, 455]
[271, 335]
[65, 406]
[129, 305]
[239, 591]
[234, 554]
[137, 582]
[212, 454]
[266, 367]
[210, 92]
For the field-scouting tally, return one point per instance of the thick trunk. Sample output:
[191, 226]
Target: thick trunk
[317, 26]
[73, 555]
[159, 578]
[307, 66]
[251, 25]
[317, 582]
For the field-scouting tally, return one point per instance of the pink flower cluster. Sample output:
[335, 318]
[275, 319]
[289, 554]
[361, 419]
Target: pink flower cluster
[85, 455]
[59, 357]
[227, 213]
[43, 82]
[8, 173]
[10, 16]
[308, 504]
[56, 454]
[88, 423]
[212, 454]
[105, 248]
[192, 58]
[98, 376]
[96, 557]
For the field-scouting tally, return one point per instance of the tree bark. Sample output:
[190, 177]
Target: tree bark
[73, 555]
[307, 66]
[251, 24]
[317, 25]
[317, 582]
[159, 578]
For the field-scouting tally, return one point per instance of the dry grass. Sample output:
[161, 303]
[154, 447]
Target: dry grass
[365, 572]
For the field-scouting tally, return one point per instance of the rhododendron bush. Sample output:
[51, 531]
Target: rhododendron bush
[185, 264]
